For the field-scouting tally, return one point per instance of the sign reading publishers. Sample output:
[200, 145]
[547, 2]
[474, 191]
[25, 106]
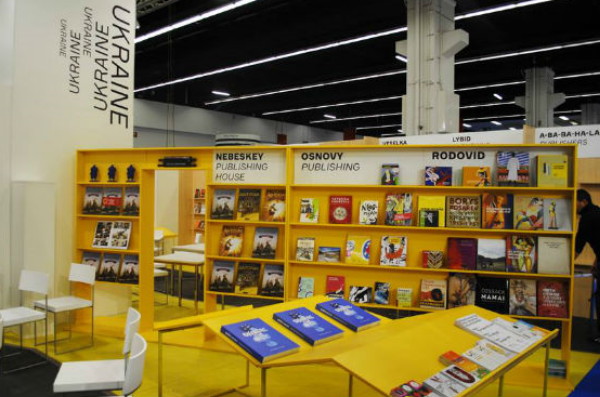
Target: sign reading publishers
[587, 137]
[249, 166]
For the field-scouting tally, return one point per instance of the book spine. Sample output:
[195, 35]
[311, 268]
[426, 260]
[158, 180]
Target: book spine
[295, 331]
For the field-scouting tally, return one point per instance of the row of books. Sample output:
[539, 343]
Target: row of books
[249, 205]
[112, 235]
[264, 245]
[245, 278]
[111, 201]
[113, 267]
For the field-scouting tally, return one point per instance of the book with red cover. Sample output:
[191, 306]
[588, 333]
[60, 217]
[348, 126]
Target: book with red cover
[552, 299]
[335, 286]
[462, 253]
[340, 209]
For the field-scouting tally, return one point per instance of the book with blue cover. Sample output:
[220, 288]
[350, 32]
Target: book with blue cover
[259, 339]
[309, 326]
[347, 314]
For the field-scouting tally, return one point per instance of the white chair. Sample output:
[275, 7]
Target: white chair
[35, 282]
[80, 376]
[78, 273]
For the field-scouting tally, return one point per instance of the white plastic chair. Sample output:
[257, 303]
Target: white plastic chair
[80, 376]
[78, 273]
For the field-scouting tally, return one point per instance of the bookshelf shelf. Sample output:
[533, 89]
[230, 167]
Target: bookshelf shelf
[107, 184]
[243, 259]
[246, 185]
[440, 189]
[241, 222]
[253, 296]
[108, 250]
[100, 216]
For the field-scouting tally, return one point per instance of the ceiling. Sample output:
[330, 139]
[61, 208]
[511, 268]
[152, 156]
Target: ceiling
[269, 28]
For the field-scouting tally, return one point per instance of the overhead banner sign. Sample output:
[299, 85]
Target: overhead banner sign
[459, 138]
[586, 136]
[249, 166]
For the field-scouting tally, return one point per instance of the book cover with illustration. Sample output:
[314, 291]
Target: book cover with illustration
[552, 299]
[552, 170]
[453, 358]
[557, 214]
[382, 293]
[443, 385]
[461, 290]
[512, 168]
[360, 294]
[265, 242]
[358, 250]
[223, 204]
[438, 176]
[272, 281]
[130, 270]
[306, 287]
[232, 241]
[433, 294]
[248, 207]
[429, 218]
[463, 211]
[491, 254]
[432, 259]
[309, 210]
[433, 204]
[340, 209]
[404, 297]
[222, 276]
[390, 174]
[335, 286]
[521, 254]
[308, 325]
[348, 314]
[102, 235]
[497, 211]
[305, 249]
[247, 278]
[476, 176]
[131, 206]
[523, 297]
[91, 259]
[119, 235]
[462, 253]
[274, 206]
[398, 209]
[368, 211]
[329, 254]
[492, 294]
[554, 255]
[92, 201]
[528, 213]
[112, 201]
[393, 250]
[109, 268]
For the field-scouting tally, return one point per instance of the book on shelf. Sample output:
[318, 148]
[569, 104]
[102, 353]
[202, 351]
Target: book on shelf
[199, 209]
[131, 206]
[521, 254]
[433, 294]
[223, 204]
[360, 294]
[462, 253]
[433, 204]
[248, 275]
[552, 170]
[109, 268]
[102, 235]
[368, 212]
[259, 339]
[248, 207]
[557, 214]
[461, 290]
[112, 200]
[492, 294]
[309, 210]
[443, 385]
[429, 218]
[382, 293]
[552, 299]
[308, 325]
[358, 250]
[329, 254]
[340, 209]
[476, 176]
[557, 368]
[91, 259]
[272, 280]
[393, 250]
[274, 206]
[347, 314]
[528, 213]
[554, 255]
[130, 269]
[306, 287]
[512, 168]
[461, 376]
[120, 233]
[492, 332]
[432, 259]
[232, 240]
[491, 254]
[398, 209]
[390, 174]
[335, 286]
[522, 297]
[487, 355]
[305, 249]
[221, 279]
[199, 193]
[497, 211]
[452, 358]
[265, 242]
[404, 297]
[92, 201]
[438, 176]
[463, 211]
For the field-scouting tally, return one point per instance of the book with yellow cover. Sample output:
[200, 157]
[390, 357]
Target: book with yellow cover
[358, 250]
[477, 176]
[433, 204]
[552, 170]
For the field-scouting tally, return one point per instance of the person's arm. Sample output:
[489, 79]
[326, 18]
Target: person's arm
[582, 235]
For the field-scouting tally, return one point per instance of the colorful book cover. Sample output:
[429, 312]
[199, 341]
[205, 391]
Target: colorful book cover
[223, 204]
[443, 386]
[410, 389]
[92, 201]
[486, 355]
[523, 297]
[329, 254]
[382, 293]
[119, 235]
[462, 253]
[438, 176]
[393, 250]
[557, 214]
[434, 203]
[461, 290]
[433, 294]
[404, 297]
[477, 176]
[309, 210]
[130, 270]
[360, 294]
[232, 241]
[248, 275]
[552, 170]
[91, 259]
[433, 259]
[308, 325]
[112, 201]
[429, 218]
[512, 168]
[398, 209]
[222, 276]
[306, 287]
[335, 286]
[497, 211]
[528, 213]
[265, 242]
[348, 314]
[461, 376]
[463, 211]
[259, 339]
[248, 207]
[358, 250]
[491, 254]
[109, 269]
[492, 294]
[369, 210]
[554, 255]
[272, 281]
[340, 209]
[453, 358]
[521, 254]
[102, 235]
[131, 207]
[390, 174]
[552, 299]
[305, 249]
[274, 206]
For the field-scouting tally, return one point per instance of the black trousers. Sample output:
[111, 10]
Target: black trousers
[597, 298]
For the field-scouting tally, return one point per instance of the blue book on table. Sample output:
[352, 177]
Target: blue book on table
[347, 314]
[311, 327]
[259, 339]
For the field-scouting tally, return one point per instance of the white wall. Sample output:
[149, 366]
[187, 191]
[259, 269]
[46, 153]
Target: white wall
[166, 204]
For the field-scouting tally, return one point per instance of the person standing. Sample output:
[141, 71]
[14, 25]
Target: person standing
[589, 233]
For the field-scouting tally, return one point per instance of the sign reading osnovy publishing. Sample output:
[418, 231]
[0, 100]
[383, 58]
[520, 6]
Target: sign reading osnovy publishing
[249, 166]
[586, 136]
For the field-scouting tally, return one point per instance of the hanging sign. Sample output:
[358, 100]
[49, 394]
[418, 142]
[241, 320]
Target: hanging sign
[586, 136]
[249, 166]
[460, 138]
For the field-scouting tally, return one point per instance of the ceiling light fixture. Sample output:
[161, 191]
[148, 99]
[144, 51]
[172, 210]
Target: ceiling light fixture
[220, 93]
[366, 116]
[512, 128]
[574, 123]
[498, 96]
[467, 125]
[501, 8]
[495, 122]
[371, 127]
[390, 98]
[583, 95]
[329, 116]
[565, 118]
[401, 58]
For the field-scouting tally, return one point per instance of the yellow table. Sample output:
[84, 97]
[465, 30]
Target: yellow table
[181, 259]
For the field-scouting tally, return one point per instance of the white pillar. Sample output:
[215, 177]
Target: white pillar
[590, 113]
[430, 105]
[539, 100]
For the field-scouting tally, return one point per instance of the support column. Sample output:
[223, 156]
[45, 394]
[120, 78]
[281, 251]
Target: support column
[539, 100]
[430, 105]
[590, 113]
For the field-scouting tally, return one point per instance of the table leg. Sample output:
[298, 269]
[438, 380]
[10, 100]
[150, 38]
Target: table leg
[196, 289]
[263, 382]
[180, 283]
[546, 362]
[247, 374]
[160, 364]
[501, 386]
[350, 385]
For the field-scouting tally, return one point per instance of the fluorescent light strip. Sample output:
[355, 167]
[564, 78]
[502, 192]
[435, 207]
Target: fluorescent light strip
[583, 95]
[330, 116]
[483, 105]
[221, 93]
[498, 96]
[390, 98]
[493, 10]
[480, 87]
[510, 116]
[196, 18]
[401, 58]
[496, 122]
[466, 125]
[572, 76]
[368, 116]
[378, 126]
[565, 118]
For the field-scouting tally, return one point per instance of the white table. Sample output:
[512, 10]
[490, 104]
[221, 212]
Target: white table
[196, 248]
[183, 258]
